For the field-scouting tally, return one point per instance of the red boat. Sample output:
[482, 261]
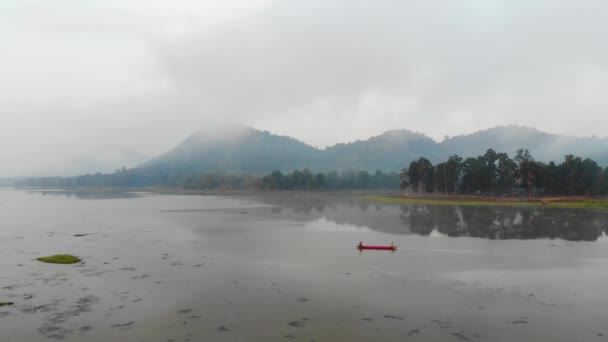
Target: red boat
[390, 247]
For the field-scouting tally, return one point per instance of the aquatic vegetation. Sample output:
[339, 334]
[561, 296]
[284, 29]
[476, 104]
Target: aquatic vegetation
[60, 259]
[6, 303]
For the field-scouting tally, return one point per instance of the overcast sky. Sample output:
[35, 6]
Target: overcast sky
[79, 76]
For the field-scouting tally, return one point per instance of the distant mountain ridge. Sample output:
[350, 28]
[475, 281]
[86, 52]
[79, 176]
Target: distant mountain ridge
[105, 160]
[388, 151]
[240, 149]
[543, 146]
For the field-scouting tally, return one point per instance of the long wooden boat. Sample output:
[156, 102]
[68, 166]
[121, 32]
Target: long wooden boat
[386, 248]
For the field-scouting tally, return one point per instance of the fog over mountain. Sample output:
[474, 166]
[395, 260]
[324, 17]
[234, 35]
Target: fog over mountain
[235, 149]
[543, 146]
[240, 149]
[77, 75]
[104, 160]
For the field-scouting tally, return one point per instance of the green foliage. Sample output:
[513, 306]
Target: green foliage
[496, 174]
[346, 180]
[601, 204]
[276, 180]
[420, 174]
[60, 259]
[445, 177]
[253, 153]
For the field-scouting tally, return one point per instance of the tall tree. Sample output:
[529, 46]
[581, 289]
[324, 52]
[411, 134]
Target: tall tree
[591, 176]
[571, 171]
[604, 182]
[490, 171]
[413, 175]
[453, 167]
[426, 171]
[526, 169]
[507, 170]
[404, 179]
[440, 178]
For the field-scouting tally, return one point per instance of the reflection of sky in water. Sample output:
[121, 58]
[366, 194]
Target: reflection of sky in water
[263, 270]
[352, 214]
[436, 234]
[323, 225]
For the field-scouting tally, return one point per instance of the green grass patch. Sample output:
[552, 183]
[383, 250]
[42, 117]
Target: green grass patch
[598, 204]
[399, 200]
[60, 259]
[6, 303]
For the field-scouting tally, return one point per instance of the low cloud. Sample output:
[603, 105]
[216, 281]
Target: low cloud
[144, 75]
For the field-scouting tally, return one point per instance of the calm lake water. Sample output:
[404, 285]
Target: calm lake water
[282, 267]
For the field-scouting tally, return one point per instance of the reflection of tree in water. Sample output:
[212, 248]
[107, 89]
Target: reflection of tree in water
[319, 206]
[405, 215]
[421, 220]
[340, 209]
[303, 205]
[495, 223]
[505, 222]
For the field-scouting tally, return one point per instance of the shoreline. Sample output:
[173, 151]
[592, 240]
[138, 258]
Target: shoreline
[372, 195]
[570, 202]
[215, 192]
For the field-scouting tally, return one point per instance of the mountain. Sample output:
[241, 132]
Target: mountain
[235, 149]
[543, 146]
[391, 150]
[240, 149]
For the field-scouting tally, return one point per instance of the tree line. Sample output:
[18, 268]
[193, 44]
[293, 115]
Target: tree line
[276, 180]
[345, 180]
[495, 173]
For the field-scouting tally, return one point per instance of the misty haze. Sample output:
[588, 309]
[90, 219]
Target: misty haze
[272, 170]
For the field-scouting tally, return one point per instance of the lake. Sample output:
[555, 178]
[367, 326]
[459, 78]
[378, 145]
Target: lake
[283, 267]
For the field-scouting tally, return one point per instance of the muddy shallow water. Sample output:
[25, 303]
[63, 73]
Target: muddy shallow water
[280, 267]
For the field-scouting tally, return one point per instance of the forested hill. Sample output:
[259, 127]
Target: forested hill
[390, 151]
[238, 150]
[235, 150]
[543, 146]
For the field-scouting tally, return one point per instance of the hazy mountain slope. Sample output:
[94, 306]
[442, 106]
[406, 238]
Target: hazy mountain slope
[601, 157]
[389, 151]
[241, 149]
[543, 146]
[235, 149]
[104, 160]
